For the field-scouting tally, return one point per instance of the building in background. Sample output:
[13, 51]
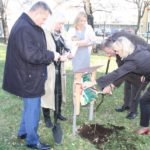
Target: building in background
[145, 25]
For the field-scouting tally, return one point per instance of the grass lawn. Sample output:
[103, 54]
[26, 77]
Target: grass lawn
[10, 112]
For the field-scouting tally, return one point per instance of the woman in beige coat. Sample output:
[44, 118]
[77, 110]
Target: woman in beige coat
[49, 100]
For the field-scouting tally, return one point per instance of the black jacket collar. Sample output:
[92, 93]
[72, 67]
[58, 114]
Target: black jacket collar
[28, 19]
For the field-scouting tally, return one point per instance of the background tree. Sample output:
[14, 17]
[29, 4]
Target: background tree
[4, 11]
[3, 17]
[141, 6]
[85, 4]
[89, 12]
[91, 6]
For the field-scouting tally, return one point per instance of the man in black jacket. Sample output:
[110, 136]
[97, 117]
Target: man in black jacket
[25, 69]
[135, 62]
[130, 89]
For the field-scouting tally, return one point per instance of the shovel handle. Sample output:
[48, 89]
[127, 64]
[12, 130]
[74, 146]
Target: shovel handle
[97, 107]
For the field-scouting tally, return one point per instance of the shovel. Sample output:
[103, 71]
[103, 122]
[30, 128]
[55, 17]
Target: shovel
[97, 107]
[57, 131]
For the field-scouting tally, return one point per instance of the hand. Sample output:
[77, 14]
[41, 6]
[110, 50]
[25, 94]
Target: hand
[107, 90]
[56, 56]
[63, 57]
[75, 43]
[88, 84]
[70, 55]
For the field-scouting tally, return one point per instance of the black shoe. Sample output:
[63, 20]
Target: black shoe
[39, 146]
[131, 115]
[60, 117]
[121, 109]
[23, 136]
[48, 123]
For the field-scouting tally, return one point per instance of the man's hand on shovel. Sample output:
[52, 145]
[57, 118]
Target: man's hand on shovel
[108, 89]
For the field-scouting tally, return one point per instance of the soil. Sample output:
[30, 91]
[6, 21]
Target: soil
[97, 134]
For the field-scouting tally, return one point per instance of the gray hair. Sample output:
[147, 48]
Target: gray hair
[41, 5]
[124, 45]
[58, 17]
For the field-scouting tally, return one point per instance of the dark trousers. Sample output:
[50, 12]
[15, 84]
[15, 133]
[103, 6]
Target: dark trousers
[145, 109]
[130, 98]
[131, 90]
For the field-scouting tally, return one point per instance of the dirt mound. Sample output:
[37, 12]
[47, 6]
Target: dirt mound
[97, 134]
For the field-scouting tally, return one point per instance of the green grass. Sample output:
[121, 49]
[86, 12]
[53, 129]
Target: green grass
[10, 112]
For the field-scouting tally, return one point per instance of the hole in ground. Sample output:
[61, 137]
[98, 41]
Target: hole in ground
[97, 134]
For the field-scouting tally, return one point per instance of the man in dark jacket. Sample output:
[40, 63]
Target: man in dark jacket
[130, 89]
[25, 69]
[134, 63]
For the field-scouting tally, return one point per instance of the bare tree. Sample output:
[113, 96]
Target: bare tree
[3, 14]
[85, 4]
[89, 7]
[97, 6]
[89, 12]
[3, 6]
[141, 7]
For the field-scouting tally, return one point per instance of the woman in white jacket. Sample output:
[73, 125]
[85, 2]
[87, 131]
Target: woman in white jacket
[84, 37]
[51, 98]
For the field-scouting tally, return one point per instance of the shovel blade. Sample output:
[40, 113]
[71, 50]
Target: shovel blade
[57, 133]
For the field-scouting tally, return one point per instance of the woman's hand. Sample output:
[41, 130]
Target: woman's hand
[70, 55]
[82, 43]
[56, 56]
[88, 84]
[108, 89]
[66, 56]
[63, 58]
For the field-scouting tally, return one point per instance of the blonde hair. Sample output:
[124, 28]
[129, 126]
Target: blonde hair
[78, 18]
[124, 45]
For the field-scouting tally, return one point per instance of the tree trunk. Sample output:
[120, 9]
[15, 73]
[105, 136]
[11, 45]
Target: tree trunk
[3, 18]
[5, 29]
[138, 21]
[88, 11]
